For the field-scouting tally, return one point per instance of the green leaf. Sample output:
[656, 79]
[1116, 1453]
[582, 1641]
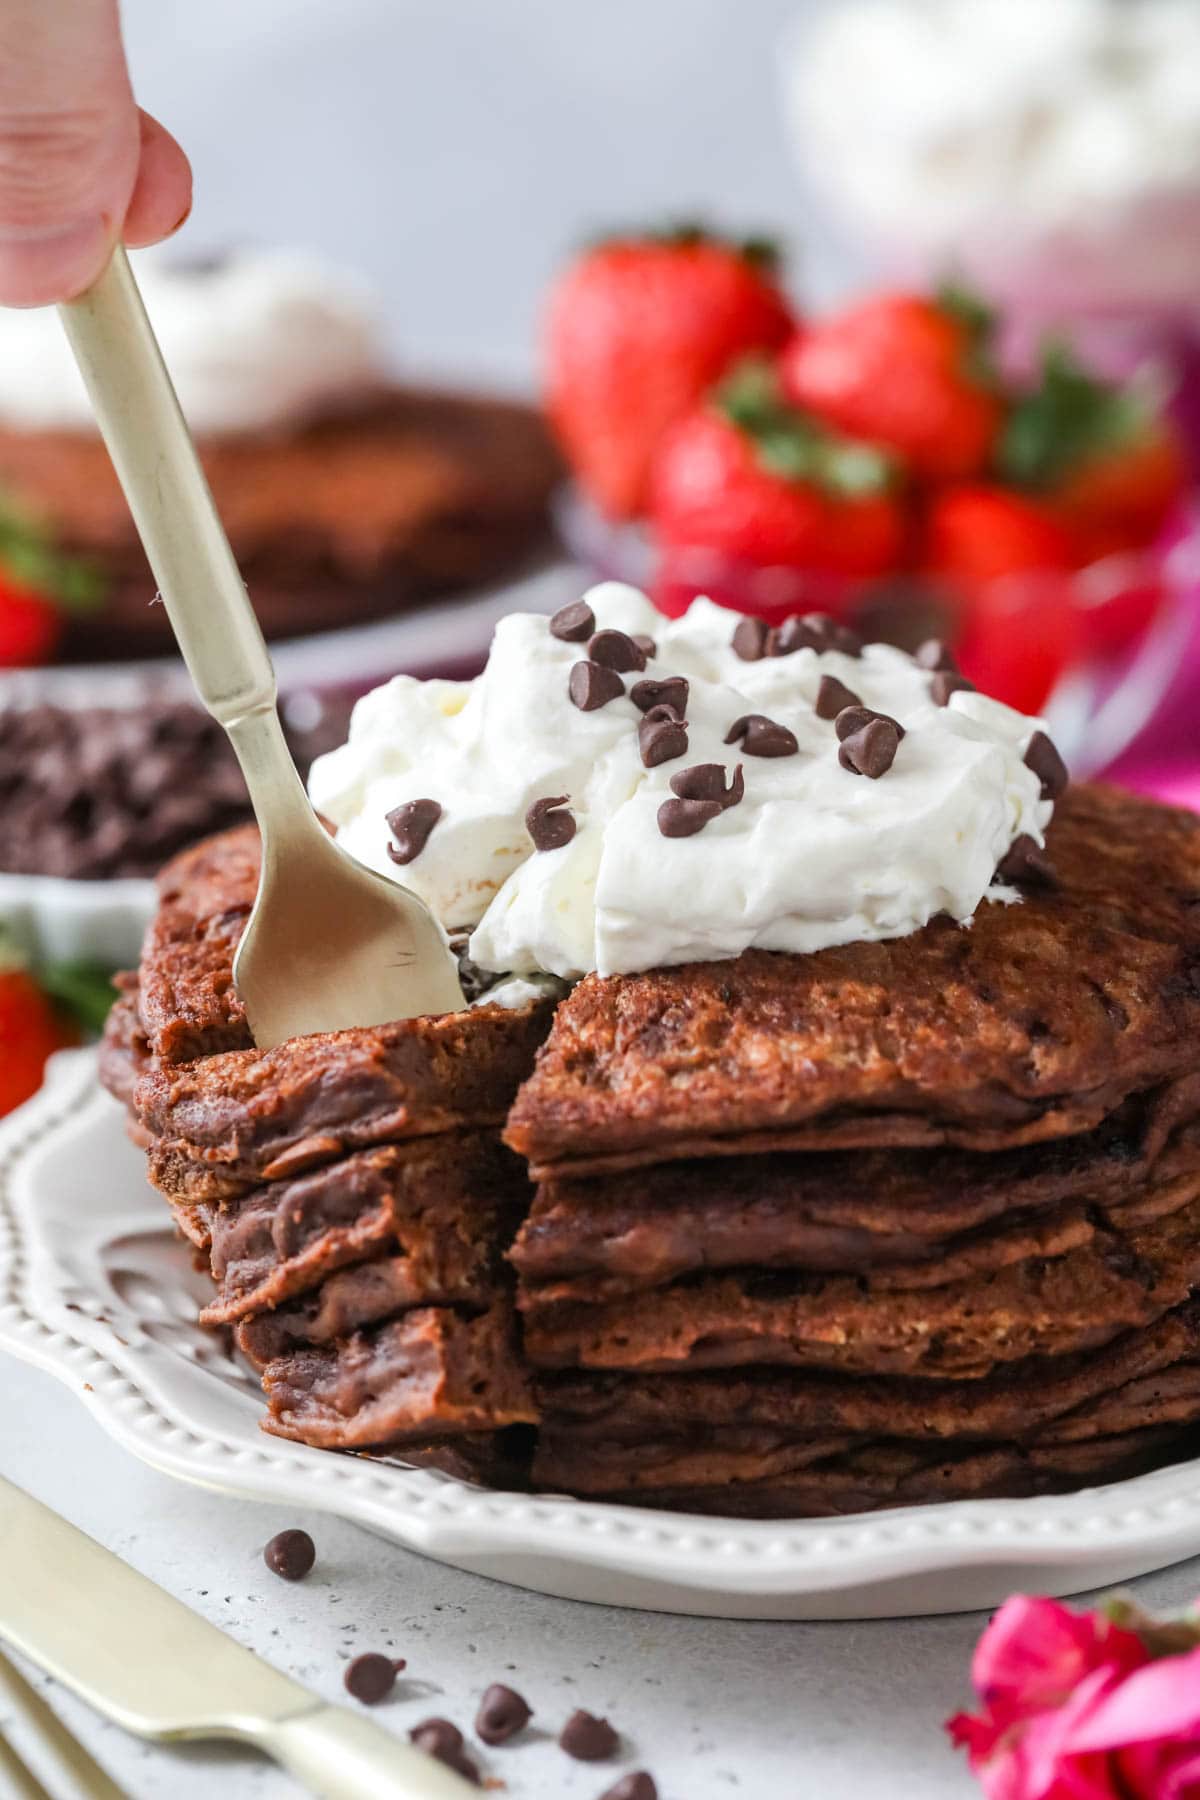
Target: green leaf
[30, 558]
[84, 989]
[1070, 417]
[791, 444]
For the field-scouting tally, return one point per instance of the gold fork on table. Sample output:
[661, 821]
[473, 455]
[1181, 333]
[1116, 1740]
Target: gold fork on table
[62, 1747]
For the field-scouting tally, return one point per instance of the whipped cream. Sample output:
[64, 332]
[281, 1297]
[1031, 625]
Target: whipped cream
[1048, 148]
[813, 855]
[261, 339]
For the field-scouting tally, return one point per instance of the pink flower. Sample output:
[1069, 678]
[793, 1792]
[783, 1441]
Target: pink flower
[1076, 1707]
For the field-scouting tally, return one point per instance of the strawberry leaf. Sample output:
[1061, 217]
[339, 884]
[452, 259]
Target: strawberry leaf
[29, 558]
[790, 444]
[84, 990]
[1069, 418]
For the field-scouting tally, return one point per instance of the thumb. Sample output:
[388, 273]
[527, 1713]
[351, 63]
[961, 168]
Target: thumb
[69, 145]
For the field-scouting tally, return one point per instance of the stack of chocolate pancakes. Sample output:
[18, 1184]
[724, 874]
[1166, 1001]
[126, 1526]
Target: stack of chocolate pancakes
[892, 1222]
[349, 1193]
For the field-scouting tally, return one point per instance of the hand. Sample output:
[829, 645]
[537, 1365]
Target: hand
[81, 165]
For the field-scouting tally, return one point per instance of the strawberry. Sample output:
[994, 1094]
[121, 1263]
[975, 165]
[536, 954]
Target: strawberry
[30, 624]
[30, 1031]
[1108, 469]
[638, 330]
[764, 487]
[905, 372]
[1006, 563]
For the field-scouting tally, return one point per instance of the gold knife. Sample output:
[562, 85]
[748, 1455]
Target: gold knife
[154, 1667]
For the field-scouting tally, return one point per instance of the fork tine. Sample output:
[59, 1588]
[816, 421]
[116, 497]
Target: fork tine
[90, 1780]
[15, 1778]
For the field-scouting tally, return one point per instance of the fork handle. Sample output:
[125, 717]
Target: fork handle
[152, 451]
[342, 1757]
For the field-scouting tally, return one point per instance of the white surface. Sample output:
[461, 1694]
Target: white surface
[95, 1288]
[715, 1709]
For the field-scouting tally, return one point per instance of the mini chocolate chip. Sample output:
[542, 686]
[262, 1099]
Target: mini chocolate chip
[934, 654]
[548, 826]
[833, 697]
[574, 623]
[587, 1738]
[591, 686]
[502, 1713]
[706, 781]
[444, 1742]
[290, 1554]
[946, 682]
[371, 1678]
[855, 717]
[616, 650]
[760, 736]
[637, 1786]
[410, 826]
[1042, 757]
[645, 644]
[1025, 864]
[662, 736]
[749, 640]
[671, 691]
[872, 750]
[684, 818]
[813, 631]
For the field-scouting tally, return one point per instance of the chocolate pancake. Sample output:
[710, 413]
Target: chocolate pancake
[1022, 1399]
[187, 1002]
[363, 1294]
[124, 1053]
[226, 1123]
[912, 1218]
[433, 1371]
[860, 1479]
[1033, 1024]
[1075, 1302]
[442, 1207]
[347, 517]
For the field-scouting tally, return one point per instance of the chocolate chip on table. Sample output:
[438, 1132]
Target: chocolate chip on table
[645, 644]
[833, 697]
[574, 623]
[290, 1554]
[706, 781]
[855, 717]
[662, 736]
[616, 650]
[749, 640]
[1042, 757]
[637, 1786]
[870, 751]
[1025, 864]
[671, 691]
[371, 1677]
[946, 682]
[502, 1713]
[411, 825]
[444, 1742]
[813, 631]
[549, 823]
[760, 736]
[587, 1738]
[934, 654]
[592, 686]
[684, 818]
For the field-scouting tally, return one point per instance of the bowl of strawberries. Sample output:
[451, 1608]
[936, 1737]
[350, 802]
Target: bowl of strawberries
[882, 465]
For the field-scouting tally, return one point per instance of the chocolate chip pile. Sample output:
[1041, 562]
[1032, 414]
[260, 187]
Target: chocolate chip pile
[101, 792]
[502, 1714]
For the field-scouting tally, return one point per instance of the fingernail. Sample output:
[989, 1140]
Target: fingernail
[182, 220]
[58, 265]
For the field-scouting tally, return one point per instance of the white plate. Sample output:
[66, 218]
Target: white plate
[56, 919]
[95, 1288]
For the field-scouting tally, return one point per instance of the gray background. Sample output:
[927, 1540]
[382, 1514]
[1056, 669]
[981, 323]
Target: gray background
[456, 149]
